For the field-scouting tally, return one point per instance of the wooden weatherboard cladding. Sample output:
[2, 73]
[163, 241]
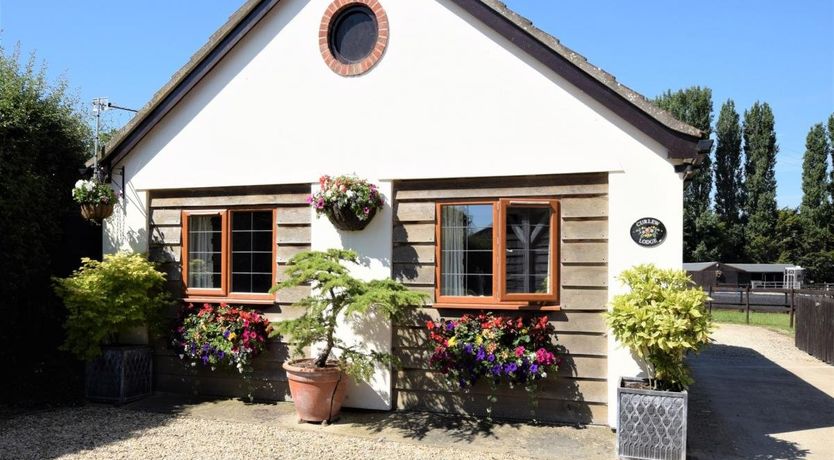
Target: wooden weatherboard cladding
[292, 235]
[579, 392]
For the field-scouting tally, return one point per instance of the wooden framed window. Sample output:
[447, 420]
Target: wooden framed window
[228, 254]
[497, 253]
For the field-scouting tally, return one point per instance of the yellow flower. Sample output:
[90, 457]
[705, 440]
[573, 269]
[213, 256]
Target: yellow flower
[232, 336]
[452, 341]
[479, 340]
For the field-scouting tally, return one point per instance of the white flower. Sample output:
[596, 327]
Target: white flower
[350, 194]
[89, 185]
[328, 194]
[80, 183]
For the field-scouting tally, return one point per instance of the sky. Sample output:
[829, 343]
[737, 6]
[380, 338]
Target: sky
[777, 51]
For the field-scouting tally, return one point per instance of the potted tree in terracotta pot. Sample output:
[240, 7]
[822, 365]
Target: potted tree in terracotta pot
[660, 320]
[318, 384]
[106, 301]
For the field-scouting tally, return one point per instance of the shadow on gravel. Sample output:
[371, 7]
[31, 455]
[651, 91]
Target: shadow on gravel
[740, 399]
[419, 425]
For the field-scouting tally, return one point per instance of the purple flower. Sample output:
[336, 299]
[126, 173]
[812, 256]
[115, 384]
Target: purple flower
[490, 357]
[481, 354]
[496, 369]
[510, 367]
[221, 354]
[467, 348]
[534, 368]
[449, 326]
[205, 359]
[226, 334]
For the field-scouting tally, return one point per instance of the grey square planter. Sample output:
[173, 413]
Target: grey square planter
[651, 424]
[120, 375]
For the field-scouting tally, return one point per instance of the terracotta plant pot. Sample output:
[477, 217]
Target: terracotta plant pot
[318, 393]
[345, 219]
[96, 212]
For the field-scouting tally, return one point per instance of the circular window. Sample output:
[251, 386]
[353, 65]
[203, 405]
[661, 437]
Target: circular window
[353, 36]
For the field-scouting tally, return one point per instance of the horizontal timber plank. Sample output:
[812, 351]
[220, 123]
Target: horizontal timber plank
[414, 233]
[415, 212]
[414, 254]
[575, 252]
[166, 235]
[440, 193]
[294, 215]
[583, 275]
[515, 407]
[550, 388]
[585, 230]
[293, 294]
[267, 366]
[285, 253]
[414, 274]
[293, 235]
[166, 216]
[583, 299]
[164, 253]
[229, 200]
[585, 367]
[596, 206]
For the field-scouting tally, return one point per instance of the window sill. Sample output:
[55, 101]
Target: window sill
[228, 300]
[520, 306]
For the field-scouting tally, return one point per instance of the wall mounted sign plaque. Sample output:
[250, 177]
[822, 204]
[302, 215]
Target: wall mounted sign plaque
[648, 232]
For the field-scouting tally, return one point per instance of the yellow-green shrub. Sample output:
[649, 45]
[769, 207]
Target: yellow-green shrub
[661, 319]
[102, 298]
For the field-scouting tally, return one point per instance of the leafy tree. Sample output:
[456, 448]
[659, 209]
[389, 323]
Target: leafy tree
[43, 141]
[729, 183]
[694, 107]
[789, 234]
[815, 184]
[713, 240]
[760, 151]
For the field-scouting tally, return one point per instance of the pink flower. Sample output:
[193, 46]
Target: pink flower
[310, 199]
[519, 351]
[367, 210]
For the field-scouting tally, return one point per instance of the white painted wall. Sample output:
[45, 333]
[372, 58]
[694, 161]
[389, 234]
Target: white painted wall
[374, 246]
[448, 99]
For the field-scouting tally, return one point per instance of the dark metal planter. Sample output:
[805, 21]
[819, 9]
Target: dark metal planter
[344, 218]
[651, 424]
[120, 375]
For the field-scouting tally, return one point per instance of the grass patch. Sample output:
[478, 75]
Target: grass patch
[779, 322]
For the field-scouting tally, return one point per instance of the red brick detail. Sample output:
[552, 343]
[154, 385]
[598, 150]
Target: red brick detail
[359, 68]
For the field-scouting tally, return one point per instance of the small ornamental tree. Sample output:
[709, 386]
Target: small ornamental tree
[335, 292]
[661, 319]
[103, 298]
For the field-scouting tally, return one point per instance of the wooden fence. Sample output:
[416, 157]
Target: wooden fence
[749, 299]
[815, 326]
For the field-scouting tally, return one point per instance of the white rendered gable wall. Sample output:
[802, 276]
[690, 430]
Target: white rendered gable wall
[449, 99]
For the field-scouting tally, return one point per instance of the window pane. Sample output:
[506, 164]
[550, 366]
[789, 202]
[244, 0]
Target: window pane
[252, 258]
[205, 235]
[466, 250]
[528, 250]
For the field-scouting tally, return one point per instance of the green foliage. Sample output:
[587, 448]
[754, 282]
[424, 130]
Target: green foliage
[43, 141]
[103, 298]
[694, 107]
[93, 192]
[760, 151]
[335, 293]
[729, 183]
[661, 319]
[789, 233]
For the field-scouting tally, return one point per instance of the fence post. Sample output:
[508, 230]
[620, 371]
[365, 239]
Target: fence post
[710, 299]
[793, 308]
[747, 304]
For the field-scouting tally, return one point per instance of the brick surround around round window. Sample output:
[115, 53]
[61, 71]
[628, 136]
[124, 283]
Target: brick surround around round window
[327, 21]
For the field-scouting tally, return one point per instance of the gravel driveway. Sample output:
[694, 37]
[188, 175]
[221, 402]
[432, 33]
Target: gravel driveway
[110, 433]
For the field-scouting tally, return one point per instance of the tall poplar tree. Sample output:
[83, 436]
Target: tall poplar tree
[729, 182]
[815, 179]
[760, 210]
[694, 107]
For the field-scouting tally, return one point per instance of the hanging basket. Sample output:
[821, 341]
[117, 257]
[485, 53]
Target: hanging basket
[344, 218]
[96, 212]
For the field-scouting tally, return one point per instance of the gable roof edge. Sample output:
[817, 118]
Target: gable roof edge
[681, 140]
